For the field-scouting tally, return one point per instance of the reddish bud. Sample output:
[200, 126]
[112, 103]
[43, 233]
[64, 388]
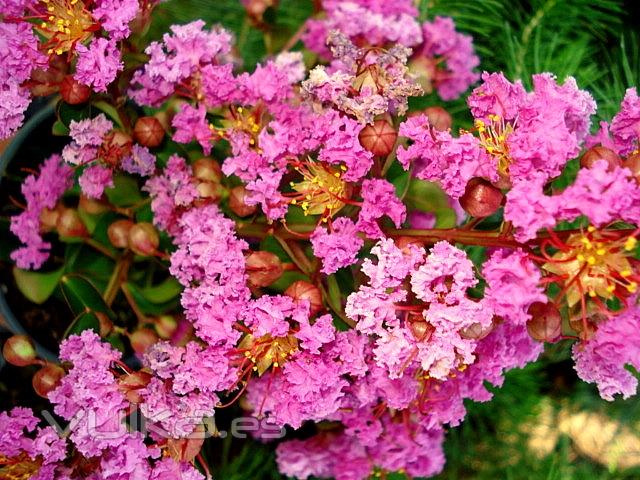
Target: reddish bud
[421, 329]
[148, 132]
[143, 239]
[92, 206]
[480, 198]
[378, 138]
[142, 339]
[545, 324]
[403, 243]
[207, 169]
[70, 224]
[633, 164]
[263, 268]
[47, 379]
[237, 203]
[256, 8]
[131, 384]
[165, 325]
[302, 290]
[594, 154]
[19, 350]
[118, 233]
[74, 92]
[439, 118]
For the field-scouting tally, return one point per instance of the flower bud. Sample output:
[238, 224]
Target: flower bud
[237, 203]
[165, 325]
[211, 191]
[421, 329]
[70, 224]
[480, 198]
[49, 218]
[596, 153]
[142, 339]
[403, 243]
[256, 8]
[118, 233]
[19, 350]
[143, 239]
[148, 132]
[378, 138]
[47, 379]
[92, 206]
[74, 92]
[439, 118]
[302, 290]
[131, 384]
[207, 169]
[263, 268]
[633, 164]
[545, 324]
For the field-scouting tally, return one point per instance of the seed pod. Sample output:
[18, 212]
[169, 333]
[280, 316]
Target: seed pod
[118, 233]
[256, 9]
[421, 329]
[378, 138]
[74, 92]
[475, 331]
[142, 339]
[545, 324]
[211, 191]
[303, 290]
[165, 325]
[439, 118]
[148, 132]
[47, 379]
[480, 198]
[263, 268]
[92, 206]
[237, 203]
[207, 170]
[19, 350]
[70, 224]
[596, 153]
[49, 218]
[144, 239]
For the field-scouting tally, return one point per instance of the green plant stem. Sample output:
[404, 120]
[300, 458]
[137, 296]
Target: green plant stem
[99, 247]
[118, 277]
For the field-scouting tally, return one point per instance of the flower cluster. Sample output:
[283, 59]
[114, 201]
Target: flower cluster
[315, 283]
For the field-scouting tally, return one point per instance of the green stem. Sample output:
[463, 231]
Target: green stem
[118, 276]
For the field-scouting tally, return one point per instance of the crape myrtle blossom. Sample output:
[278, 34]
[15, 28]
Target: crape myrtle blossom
[86, 31]
[338, 246]
[623, 135]
[520, 136]
[41, 193]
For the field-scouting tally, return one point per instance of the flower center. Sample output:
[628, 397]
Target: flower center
[321, 191]
[266, 351]
[65, 23]
[21, 467]
[493, 138]
[596, 263]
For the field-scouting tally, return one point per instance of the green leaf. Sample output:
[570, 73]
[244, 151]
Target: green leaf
[59, 129]
[68, 113]
[168, 290]
[270, 244]
[425, 196]
[125, 191]
[287, 279]
[145, 304]
[110, 110]
[85, 302]
[36, 286]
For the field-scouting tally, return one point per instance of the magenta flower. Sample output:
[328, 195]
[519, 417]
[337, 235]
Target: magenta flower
[98, 64]
[338, 246]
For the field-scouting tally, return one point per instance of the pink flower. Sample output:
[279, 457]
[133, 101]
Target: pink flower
[441, 41]
[14, 101]
[191, 124]
[602, 359]
[337, 248]
[168, 469]
[115, 16]
[41, 192]
[625, 126]
[379, 199]
[529, 209]
[99, 64]
[170, 191]
[90, 132]
[496, 96]
[141, 161]
[437, 156]
[95, 179]
[512, 285]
